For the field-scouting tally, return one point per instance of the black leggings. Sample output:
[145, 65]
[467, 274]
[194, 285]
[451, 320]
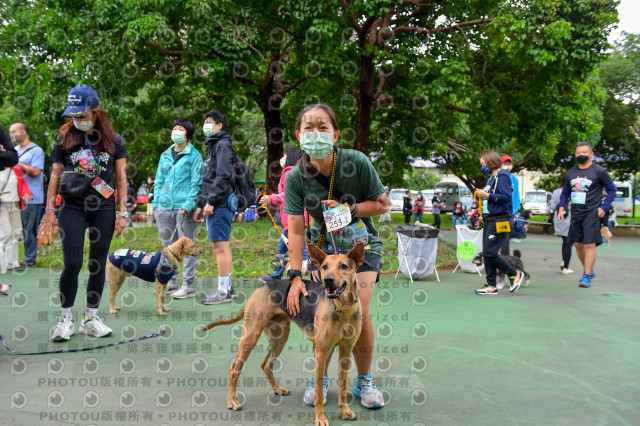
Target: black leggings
[73, 224]
[491, 244]
[436, 220]
[566, 251]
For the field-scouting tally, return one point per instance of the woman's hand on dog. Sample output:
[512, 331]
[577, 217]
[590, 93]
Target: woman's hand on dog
[121, 224]
[293, 300]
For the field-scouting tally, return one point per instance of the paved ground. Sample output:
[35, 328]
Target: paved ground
[550, 354]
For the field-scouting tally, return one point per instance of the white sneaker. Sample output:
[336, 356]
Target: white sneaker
[310, 393]
[566, 271]
[64, 329]
[171, 286]
[184, 292]
[370, 396]
[516, 240]
[94, 327]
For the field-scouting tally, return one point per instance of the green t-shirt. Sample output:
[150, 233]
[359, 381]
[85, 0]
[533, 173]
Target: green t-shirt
[355, 177]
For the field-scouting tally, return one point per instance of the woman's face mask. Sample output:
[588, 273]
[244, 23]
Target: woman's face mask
[283, 161]
[317, 144]
[83, 125]
[178, 137]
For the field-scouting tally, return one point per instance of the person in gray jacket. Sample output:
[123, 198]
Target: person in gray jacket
[561, 229]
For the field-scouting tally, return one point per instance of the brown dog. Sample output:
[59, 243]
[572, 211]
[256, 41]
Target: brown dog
[47, 239]
[329, 316]
[606, 235]
[153, 266]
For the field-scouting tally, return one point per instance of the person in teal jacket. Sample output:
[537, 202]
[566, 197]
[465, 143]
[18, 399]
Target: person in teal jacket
[178, 184]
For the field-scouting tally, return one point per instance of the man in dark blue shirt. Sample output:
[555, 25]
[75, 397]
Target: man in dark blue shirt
[584, 184]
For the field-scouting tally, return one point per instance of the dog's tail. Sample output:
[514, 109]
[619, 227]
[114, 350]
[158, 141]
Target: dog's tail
[517, 254]
[225, 321]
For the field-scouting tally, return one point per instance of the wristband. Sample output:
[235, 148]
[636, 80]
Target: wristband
[50, 208]
[355, 210]
[292, 273]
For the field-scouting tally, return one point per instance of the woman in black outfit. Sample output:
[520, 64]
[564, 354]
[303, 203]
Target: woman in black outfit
[86, 144]
[407, 208]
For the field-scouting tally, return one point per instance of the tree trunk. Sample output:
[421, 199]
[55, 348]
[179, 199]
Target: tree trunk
[269, 104]
[365, 104]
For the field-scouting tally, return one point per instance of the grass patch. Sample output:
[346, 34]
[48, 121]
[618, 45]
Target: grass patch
[253, 245]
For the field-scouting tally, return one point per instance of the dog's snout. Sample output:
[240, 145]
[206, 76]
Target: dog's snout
[329, 280]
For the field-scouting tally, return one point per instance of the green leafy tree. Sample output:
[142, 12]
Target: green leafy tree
[420, 179]
[619, 143]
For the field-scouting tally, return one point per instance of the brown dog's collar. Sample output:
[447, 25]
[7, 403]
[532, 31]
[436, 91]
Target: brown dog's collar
[346, 310]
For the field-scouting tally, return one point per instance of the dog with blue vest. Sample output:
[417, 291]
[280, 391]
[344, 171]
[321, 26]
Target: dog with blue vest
[158, 267]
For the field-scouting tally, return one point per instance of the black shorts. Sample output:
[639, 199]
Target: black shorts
[585, 229]
[372, 262]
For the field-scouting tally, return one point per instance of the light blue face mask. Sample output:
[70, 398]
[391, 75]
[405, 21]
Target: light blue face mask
[316, 144]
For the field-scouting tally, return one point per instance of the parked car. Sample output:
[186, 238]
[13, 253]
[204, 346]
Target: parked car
[537, 202]
[142, 194]
[428, 194]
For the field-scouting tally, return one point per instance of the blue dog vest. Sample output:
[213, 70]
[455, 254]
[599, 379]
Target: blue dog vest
[148, 266]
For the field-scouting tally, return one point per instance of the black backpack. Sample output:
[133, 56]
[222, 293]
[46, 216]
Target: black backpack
[242, 183]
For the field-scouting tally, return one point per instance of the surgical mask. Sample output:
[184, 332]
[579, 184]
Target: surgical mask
[486, 170]
[283, 161]
[582, 159]
[83, 125]
[178, 136]
[507, 168]
[208, 129]
[316, 144]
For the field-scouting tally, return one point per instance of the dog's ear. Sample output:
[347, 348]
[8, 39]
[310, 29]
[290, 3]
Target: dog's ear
[316, 255]
[357, 254]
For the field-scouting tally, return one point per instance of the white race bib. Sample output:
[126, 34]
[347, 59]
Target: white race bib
[337, 217]
[578, 197]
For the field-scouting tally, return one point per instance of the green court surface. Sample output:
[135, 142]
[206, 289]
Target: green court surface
[550, 354]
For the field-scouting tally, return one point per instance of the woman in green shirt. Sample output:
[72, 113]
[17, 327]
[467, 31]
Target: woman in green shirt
[356, 183]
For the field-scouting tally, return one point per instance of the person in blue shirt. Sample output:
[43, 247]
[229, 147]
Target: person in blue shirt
[178, 183]
[507, 165]
[31, 161]
[519, 228]
[496, 215]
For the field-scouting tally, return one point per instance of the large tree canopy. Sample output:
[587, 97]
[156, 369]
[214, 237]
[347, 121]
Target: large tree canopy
[408, 78]
[619, 143]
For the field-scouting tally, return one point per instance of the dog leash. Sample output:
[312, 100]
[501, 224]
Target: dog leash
[62, 351]
[266, 208]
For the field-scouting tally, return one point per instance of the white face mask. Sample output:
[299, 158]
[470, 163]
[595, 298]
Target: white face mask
[283, 161]
[83, 125]
[507, 168]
